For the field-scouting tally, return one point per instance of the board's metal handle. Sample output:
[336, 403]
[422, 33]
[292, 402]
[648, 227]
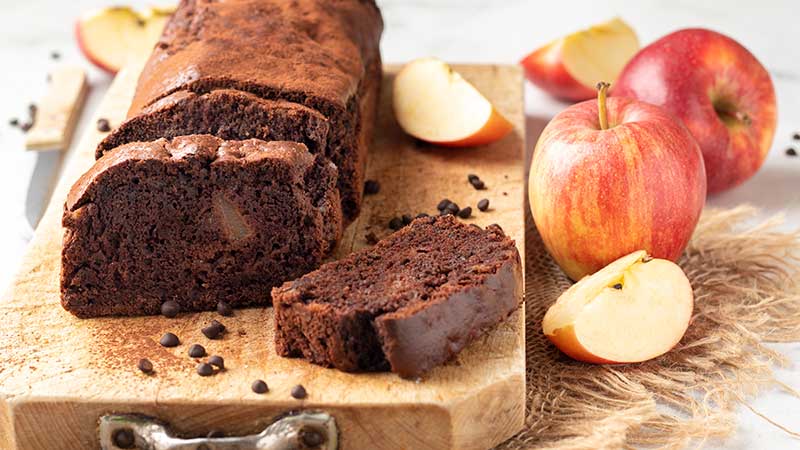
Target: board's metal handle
[292, 431]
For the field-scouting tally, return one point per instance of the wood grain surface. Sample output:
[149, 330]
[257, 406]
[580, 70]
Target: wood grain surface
[59, 110]
[59, 374]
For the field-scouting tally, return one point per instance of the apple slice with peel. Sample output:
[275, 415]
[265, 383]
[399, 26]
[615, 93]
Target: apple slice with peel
[632, 310]
[570, 67]
[112, 37]
[434, 103]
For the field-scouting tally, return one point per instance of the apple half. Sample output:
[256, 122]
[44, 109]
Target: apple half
[570, 67]
[434, 103]
[634, 309]
[110, 38]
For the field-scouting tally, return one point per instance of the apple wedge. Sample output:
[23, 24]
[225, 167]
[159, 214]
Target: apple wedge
[112, 37]
[570, 67]
[434, 103]
[634, 309]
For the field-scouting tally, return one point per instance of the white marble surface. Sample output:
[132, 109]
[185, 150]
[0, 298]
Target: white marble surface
[458, 31]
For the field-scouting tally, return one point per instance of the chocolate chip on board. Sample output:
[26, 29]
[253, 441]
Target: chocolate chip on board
[483, 204]
[145, 366]
[205, 369]
[259, 387]
[197, 351]
[217, 361]
[170, 309]
[169, 340]
[371, 187]
[299, 392]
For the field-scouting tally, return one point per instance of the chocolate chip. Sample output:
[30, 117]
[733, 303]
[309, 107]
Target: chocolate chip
[443, 204]
[224, 309]
[259, 387]
[217, 361]
[406, 218]
[452, 208]
[170, 309]
[472, 177]
[791, 152]
[796, 136]
[311, 438]
[483, 205]
[299, 392]
[396, 223]
[26, 126]
[211, 332]
[477, 184]
[145, 365]
[219, 325]
[421, 215]
[55, 55]
[103, 125]
[205, 369]
[14, 122]
[197, 351]
[618, 286]
[123, 438]
[465, 213]
[371, 238]
[169, 340]
[371, 187]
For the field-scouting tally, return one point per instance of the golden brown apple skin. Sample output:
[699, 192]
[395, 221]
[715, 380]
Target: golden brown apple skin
[720, 91]
[544, 67]
[597, 195]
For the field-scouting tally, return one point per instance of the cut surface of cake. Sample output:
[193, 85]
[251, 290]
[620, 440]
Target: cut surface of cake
[408, 304]
[196, 220]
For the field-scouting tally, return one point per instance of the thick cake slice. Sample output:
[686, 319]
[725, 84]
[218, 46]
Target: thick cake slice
[196, 220]
[226, 114]
[407, 304]
[323, 54]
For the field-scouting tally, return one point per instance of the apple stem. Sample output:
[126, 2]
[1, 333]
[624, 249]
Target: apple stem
[602, 93]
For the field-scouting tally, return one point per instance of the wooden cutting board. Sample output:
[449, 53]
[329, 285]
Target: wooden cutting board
[59, 374]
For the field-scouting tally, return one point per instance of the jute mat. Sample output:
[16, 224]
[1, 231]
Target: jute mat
[743, 277]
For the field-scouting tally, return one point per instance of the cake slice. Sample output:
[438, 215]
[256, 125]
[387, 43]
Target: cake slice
[409, 303]
[225, 113]
[196, 220]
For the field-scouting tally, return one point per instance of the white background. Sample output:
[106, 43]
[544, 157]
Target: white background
[458, 31]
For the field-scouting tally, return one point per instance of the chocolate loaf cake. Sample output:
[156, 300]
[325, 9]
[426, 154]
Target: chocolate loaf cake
[196, 220]
[409, 303]
[321, 54]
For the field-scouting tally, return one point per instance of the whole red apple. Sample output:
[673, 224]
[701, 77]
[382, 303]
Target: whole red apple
[720, 91]
[608, 179]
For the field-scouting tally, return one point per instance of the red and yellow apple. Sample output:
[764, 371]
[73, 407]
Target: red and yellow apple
[570, 67]
[634, 309]
[612, 176]
[434, 103]
[112, 37]
[720, 91]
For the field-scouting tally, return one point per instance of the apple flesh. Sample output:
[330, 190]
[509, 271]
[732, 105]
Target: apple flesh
[634, 309]
[720, 91]
[599, 193]
[570, 67]
[111, 38]
[434, 103]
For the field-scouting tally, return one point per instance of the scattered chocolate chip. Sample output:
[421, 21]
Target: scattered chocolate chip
[371, 187]
[259, 387]
[443, 204]
[205, 369]
[103, 125]
[212, 331]
[14, 122]
[371, 238]
[224, 309]
[791, 152]
[197, 351]
[123, 438]
[477, 183]
[169, 340]
[421, 215]
[299, 392]
[618, 286]
[406, 219]
[170, 309]
[472, 177]
[396, 223]
[219, 325]
[145, 365]
[55, 55]
[452, 208]
[311, 438]
[26, 126]
[796, 136]
[217, 361]
[483, 205]
[465, 213]
[505, 194]
[215, 434]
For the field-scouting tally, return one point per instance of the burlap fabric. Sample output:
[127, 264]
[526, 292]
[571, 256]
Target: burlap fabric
[744, 279]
